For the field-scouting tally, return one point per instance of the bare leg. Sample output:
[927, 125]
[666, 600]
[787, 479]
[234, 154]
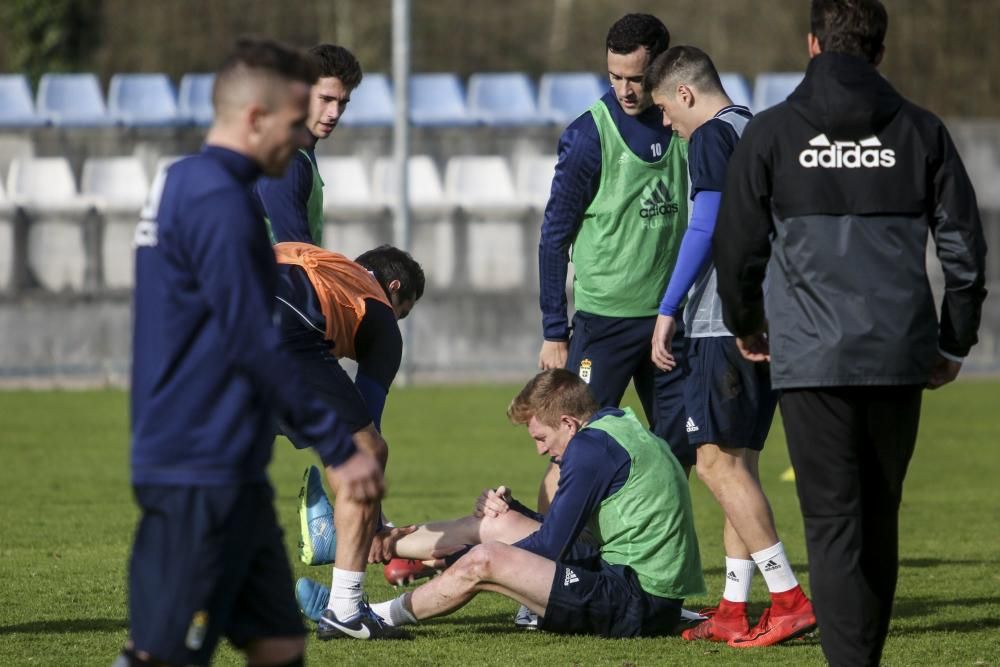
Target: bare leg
[353, 519]
[430, 537]
[729, 478]
[500, 568]
[547, 489]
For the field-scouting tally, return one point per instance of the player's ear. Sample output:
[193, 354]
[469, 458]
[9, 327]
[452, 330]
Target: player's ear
[570, 422]
[685, 95]
[395, 285]
[812, 43]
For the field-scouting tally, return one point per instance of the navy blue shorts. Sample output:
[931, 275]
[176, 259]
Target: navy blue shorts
[322, 372]
[208, 562]
[609, 352]
[591, 597]
[729, 400]
[302, 327]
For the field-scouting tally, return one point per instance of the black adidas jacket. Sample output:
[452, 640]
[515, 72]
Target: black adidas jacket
[833, 193]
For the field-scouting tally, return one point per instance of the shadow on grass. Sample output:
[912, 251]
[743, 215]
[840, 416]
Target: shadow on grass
[976, 625]
[67, 626]
[938, 562]
[910, 607]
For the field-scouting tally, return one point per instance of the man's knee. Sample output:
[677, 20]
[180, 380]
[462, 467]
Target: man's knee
[477, 565]
[371, 441]
[716, 463]
[498, 528]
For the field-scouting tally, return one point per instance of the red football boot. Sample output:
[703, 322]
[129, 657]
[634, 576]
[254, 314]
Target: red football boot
[401, 571]
[790, 615]
[725, 622]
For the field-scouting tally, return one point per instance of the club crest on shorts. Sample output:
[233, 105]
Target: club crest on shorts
[585, 367]
[197, 630]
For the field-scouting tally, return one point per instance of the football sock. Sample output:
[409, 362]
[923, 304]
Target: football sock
[789, 600]
[739, 574]
[394, 612]
[345, 594]
[777, 571]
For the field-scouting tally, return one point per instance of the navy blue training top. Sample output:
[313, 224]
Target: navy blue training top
[284, 200]
[593, 468]
[378, 343]
[208, 379]
[576, 181]
[709, 150]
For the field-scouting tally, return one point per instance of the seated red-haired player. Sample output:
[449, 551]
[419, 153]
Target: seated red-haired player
[330, 308]
[626, 577]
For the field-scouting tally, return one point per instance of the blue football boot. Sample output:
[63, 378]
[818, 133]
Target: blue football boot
[317, 535]
[312, 597]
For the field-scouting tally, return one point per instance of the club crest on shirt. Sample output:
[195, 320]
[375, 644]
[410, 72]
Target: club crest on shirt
[585, 367]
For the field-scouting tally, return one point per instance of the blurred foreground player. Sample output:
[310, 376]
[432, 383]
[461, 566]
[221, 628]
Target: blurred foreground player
[208, 382]
[832, 193]
[626, 578]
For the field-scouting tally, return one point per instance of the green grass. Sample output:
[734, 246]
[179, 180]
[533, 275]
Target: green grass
[67, 516]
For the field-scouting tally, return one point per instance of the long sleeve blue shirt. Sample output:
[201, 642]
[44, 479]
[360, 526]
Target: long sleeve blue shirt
[593, 468]
[208, 379]
[574, 186]
[284, 200]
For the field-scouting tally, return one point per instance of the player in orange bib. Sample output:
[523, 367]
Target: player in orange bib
[329, 308]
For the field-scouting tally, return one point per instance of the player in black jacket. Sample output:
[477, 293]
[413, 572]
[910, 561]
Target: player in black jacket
[833, 193]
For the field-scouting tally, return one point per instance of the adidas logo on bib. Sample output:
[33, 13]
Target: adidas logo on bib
[570, 578]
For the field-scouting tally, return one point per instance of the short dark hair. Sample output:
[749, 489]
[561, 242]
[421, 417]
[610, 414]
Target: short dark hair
[634, 30]
[854, 27]
[682, 64]
[262, 57]
[551, 394]
[338, 62]
[388, 264]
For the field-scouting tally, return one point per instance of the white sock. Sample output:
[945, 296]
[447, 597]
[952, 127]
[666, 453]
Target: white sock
[345, 594]
[777, 571]
[394, 612]
[739, 574]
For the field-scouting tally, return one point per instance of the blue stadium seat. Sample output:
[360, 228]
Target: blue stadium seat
[503, 99]
[195, 98]
[72, 100]
[17, 109]
[737, 88]
[770, 88]
[142, 100]
[565, 95]
[371, 102]
[438, 100]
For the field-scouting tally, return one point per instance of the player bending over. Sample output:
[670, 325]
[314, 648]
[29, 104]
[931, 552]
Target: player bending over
[626, 576]
[331, 308]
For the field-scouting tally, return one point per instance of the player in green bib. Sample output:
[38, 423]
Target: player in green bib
[615, 555]
[618, 210]
[292, 206]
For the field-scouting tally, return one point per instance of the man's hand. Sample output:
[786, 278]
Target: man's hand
[384, 543]
[663, 338]
[493, 502]
[754, 347]
[943, 371]
[553, 354]
[359, 478]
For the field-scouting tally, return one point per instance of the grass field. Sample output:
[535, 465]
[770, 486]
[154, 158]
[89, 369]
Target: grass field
[66, 521]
